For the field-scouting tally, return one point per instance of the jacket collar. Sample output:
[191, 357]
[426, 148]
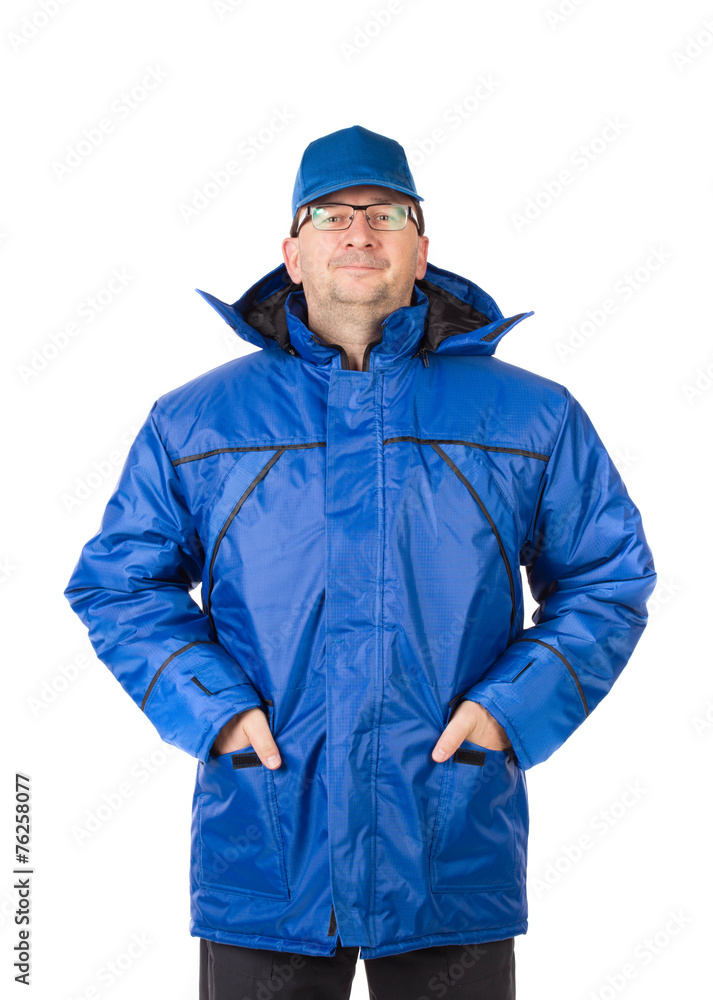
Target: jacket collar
[448, 314]
[401, 334]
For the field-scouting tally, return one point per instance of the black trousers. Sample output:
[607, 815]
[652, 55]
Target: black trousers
[462, 971]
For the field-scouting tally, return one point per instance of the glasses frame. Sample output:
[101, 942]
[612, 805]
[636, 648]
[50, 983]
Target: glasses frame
[410, 214]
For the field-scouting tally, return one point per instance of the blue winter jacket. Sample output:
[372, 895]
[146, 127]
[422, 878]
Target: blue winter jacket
[358, 537]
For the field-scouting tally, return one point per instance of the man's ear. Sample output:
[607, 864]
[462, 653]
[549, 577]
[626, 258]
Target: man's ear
[422, 256]
[291, 257]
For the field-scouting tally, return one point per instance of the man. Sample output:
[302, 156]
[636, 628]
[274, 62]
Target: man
[358, 687]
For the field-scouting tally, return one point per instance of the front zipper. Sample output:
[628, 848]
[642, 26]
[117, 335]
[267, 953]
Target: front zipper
[367, 352]
[422, 352]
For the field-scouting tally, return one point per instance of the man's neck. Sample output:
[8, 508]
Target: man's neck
[351, 331]
[351, 328]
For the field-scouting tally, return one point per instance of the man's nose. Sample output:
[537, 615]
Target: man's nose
[359, 233]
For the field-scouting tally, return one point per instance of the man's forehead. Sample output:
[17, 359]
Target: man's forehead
[363, 193]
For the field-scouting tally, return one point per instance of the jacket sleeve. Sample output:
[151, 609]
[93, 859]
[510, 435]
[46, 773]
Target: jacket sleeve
[131, 588]
[591, 572]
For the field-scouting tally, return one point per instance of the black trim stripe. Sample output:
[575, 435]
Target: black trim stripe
[567, 664]
[471, 444]
[198, 642]
[258, 447]
[403, 437]
[228, 521]
[493, 526]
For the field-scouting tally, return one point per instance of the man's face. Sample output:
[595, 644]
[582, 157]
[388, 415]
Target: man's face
[361, 267]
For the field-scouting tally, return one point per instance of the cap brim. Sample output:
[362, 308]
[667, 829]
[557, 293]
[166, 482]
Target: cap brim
[353, 182]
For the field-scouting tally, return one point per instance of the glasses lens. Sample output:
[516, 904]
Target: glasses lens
[331, 216]
[383, 217]
[388, 217]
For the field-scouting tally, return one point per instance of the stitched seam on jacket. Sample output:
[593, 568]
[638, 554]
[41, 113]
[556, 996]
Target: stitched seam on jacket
[256, 447]
[526, 452]
[381, 532]
[540, 491]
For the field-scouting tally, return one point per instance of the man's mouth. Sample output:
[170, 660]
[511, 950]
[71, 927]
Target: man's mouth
[350, 263]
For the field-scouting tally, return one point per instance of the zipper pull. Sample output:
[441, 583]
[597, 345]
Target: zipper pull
[424, 356]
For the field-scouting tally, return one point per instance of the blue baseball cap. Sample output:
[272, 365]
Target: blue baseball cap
[351, 156]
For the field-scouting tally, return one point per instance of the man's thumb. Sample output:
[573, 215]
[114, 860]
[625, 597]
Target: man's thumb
[264, 744]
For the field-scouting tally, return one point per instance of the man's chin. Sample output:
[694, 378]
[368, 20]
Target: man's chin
[360, 296]
[360, 286]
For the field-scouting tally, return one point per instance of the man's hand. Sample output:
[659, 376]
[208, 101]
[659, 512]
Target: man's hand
[470, 721]
[248, 727]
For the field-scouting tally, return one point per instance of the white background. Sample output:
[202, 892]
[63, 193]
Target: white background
[553, 85]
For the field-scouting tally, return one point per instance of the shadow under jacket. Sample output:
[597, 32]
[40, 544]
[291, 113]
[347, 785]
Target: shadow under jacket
[358, 537]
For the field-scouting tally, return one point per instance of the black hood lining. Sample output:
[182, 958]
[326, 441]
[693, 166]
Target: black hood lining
[268, 317]
[447, 315]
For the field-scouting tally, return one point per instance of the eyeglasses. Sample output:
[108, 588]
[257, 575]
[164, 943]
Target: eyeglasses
[335, 217]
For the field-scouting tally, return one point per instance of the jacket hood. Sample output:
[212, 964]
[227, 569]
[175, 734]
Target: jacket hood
[448, 314]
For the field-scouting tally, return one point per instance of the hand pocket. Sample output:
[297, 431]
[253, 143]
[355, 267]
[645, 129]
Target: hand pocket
[480, 835]
[238, 826]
